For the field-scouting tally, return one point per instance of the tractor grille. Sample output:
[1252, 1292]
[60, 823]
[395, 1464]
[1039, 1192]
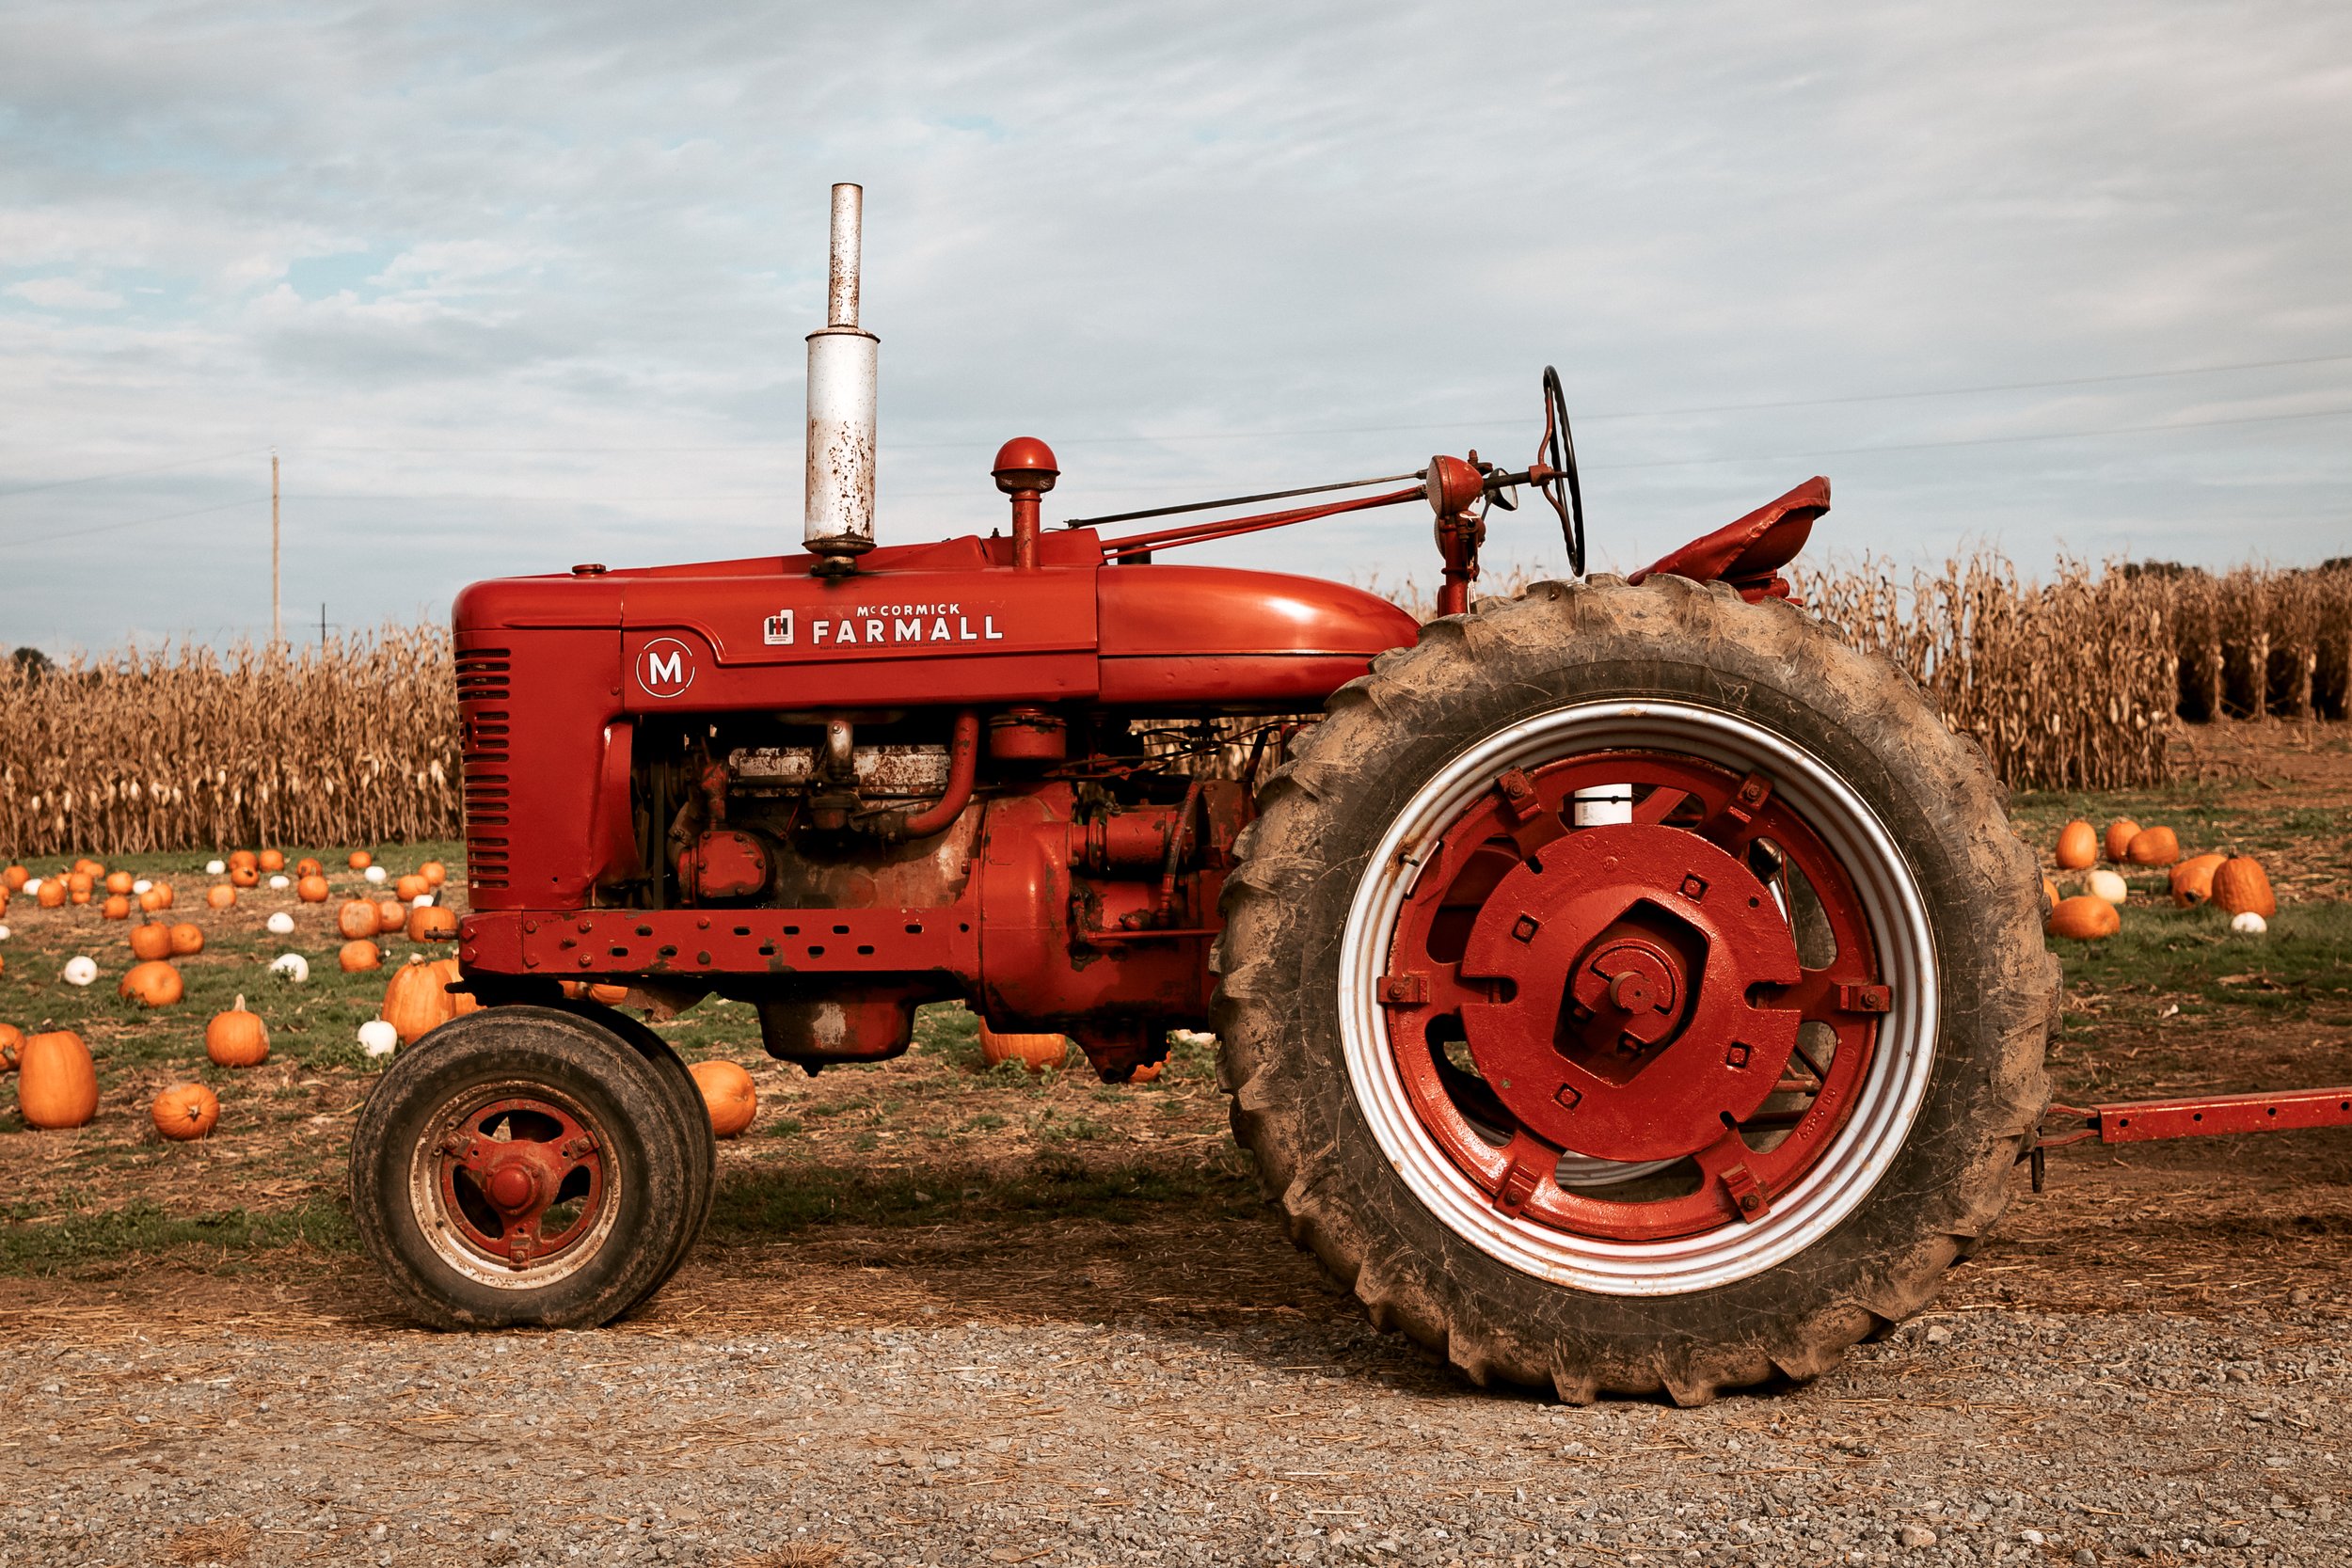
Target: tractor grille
[484, 688]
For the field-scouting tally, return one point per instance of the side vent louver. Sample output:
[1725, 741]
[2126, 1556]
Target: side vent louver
[484, 689]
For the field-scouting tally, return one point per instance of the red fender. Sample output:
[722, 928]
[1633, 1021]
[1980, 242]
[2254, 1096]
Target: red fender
[1749, 554]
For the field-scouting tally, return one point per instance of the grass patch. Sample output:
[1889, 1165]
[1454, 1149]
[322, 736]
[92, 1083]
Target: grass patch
[2300, 967]
[75, 1242]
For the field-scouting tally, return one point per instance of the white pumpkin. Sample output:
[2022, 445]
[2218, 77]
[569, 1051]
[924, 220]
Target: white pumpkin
[374, 873]
[421, 901]
[281, 924]
[2249, 924]
[378, 1038]
[32, 887]
[214, 868]
[80, 970]
[2106, 885]
[142, 885]
[291, 966]
[279, 884]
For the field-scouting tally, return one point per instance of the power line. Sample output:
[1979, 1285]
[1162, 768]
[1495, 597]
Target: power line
[135, 522]
[1840, 399]
[129, 473]
[1984, 440]
[332, 498]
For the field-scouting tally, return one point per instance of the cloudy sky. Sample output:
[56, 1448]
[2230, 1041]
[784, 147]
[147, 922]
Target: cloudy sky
[513, 286]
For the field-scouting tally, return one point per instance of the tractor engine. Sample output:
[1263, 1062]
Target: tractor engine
[1077, 899]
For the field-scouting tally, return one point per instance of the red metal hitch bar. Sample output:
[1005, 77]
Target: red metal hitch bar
[2131, 1122]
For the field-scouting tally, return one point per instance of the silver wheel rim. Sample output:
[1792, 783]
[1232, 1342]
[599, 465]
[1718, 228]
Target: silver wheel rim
[441, 1235]
[1886, 1106]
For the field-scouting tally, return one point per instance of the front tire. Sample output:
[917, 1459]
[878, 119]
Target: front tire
[1546, 1107]
[522, 1165]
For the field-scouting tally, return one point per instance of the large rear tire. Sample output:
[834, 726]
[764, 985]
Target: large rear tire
[1679, 1103]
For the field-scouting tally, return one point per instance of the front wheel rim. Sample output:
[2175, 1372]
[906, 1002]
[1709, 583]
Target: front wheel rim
[514, 1184]
[1515, 1218]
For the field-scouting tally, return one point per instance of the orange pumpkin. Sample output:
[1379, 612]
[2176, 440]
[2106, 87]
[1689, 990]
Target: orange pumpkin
[728, 1095]
[1149, 1073]
[87, 867]
[2049, 897]
[118, 907]
[14, 878]
[52, 895]
[358, 954]
[2085, 917]
[150, 939]
[360, 860]
[414, 1002]
[1035, 1052]
[411, 887]
[390, 917]
[78, 887]
[2153, 847]
[187, 940]
[11, 1047]
[358, 918]
[2240, 886]
[305, 866]
[611, 997]
[236, 1038]
[154, 900]
[2192, 879]
[461, 1002]
[163, 895]
[433, 873]
[311, 890]
[432, 923]
[2077, 844]
[272, 859]
[120, 881]
[246, 858]
[152, 984]
[244, 876]
[57, 1084]
[220, 896]
[185, 1111]
[2120, 835]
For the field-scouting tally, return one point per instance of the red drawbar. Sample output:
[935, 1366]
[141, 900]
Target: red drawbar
[1749, 554]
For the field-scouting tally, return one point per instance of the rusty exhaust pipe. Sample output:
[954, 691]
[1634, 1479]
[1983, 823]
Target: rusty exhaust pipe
[842, 368]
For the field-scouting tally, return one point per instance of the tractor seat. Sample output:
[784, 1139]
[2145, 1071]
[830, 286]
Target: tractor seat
[1749, 554]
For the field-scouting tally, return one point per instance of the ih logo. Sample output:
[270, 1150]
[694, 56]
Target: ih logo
[665, 667]
[776, 631]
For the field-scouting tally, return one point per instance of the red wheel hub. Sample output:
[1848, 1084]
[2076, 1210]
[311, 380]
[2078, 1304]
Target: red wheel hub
[1628, 1028]
[521, 1178]
[1631, 993]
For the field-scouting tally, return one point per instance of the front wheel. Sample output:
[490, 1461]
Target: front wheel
[522, 1165]
[1633, 989]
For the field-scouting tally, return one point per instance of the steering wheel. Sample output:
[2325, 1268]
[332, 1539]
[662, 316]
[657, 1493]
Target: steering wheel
[1557, 451]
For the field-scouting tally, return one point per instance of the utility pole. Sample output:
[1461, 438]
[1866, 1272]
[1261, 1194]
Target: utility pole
[276, 623]
[322, 626]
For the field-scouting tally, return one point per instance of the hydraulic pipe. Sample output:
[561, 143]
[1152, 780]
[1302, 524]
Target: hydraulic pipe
[963, 763]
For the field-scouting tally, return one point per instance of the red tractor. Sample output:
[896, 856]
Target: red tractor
[1625, 987]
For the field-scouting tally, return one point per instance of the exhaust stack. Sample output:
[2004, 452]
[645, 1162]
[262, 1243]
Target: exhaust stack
[842, 359]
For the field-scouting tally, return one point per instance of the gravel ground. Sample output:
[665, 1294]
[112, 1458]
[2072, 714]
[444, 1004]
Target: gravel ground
[1971, 1436]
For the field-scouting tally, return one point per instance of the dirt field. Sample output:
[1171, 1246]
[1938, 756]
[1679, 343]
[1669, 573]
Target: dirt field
[947, 1316]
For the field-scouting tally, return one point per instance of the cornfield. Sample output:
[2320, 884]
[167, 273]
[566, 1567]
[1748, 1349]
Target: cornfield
[2078, 682]
[354, 742]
